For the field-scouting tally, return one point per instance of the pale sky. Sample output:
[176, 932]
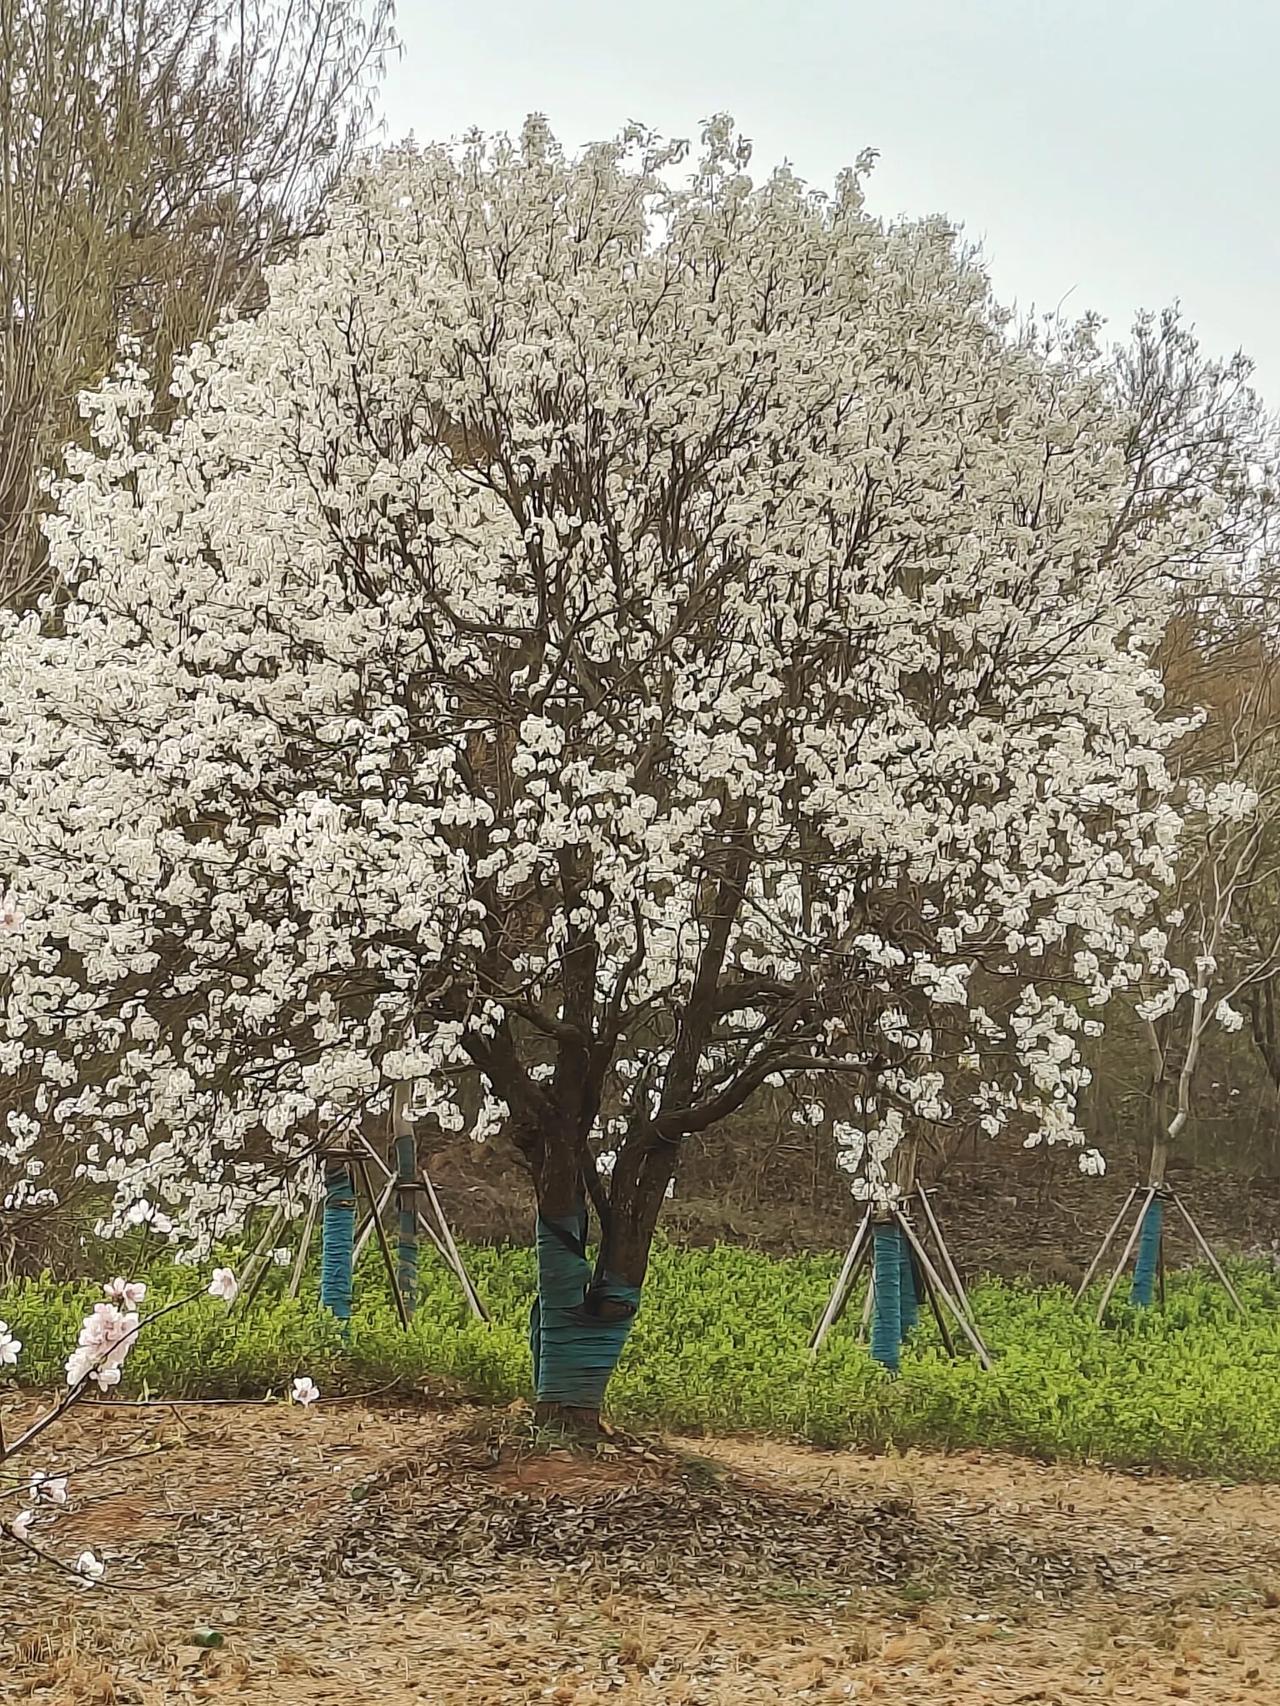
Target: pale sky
[1108, 154]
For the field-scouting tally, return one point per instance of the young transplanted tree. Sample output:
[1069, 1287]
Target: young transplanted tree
[1212, 950]
[604, 644]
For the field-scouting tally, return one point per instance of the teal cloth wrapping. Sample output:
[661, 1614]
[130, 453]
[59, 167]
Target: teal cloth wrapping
[886, 1319]
[406, 1223]
[1142, 1292]
[337, 1242]
[907, 1288]
[574, 1350]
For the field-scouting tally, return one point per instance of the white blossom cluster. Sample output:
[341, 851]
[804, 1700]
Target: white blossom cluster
[591, 649]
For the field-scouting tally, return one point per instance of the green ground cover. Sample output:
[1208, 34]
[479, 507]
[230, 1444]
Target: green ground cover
[721, 1346]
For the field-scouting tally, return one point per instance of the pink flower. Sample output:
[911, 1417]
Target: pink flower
[89, 1569]
[304, 1391]
[224, 1284]
[20, 1527]
[131, 1292]
[105, 1340]
[10, 916]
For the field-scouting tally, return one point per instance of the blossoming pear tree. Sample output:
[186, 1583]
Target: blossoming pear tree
[598, 644]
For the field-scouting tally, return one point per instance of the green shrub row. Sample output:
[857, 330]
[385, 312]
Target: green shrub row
[721, 1346]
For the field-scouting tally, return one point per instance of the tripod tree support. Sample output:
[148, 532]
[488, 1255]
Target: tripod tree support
[1146, 1237]
[440, 1234]
[912, 1272]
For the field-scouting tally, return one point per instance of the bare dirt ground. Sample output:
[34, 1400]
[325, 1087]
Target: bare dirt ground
[355, 1554]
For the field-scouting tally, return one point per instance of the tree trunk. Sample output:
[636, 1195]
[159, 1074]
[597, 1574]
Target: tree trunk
[579, 1323]
[1147, 1262]
[886, 1321]
[337, 1239]
[568, 1418]
[406, 1165]
[1158, 1118]
[582, 1315]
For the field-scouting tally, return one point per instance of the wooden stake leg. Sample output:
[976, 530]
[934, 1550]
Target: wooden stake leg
[944, 1254]
[1127, 1252]
[839, 1297]
[304, 1246]
[860, 1267]
[366, 1231]
[255, 1269]
[952, 1272]
[1213, 1261]
[1105, 1245]
[931, 1273]
[944, 1332]
[380, 1233]
[868, 1305]
[459, 1266]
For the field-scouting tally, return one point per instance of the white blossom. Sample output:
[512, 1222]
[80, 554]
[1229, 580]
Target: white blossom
[224, 1285]
[1227, 1016]
[666, 555]
[9, 1347]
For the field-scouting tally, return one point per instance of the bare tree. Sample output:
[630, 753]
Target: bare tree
[154, 156]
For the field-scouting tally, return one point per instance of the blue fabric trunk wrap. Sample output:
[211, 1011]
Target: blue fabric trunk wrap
[575, 1349]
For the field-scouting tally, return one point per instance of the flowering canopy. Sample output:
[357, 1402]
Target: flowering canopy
[592, 649]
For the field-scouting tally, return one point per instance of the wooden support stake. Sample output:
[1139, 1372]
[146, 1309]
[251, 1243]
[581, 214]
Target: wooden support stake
[840, 1291]
[868, 1305]
[943, 1330]
[931, 1273]
[1214, 1263]
[255, 1269]
[304, 1246]
[380, 1232]
[862, 1265]
[459, 1266]
[1105, 1245]
[366, 1231]
[1127, 1252]
[944, 1253]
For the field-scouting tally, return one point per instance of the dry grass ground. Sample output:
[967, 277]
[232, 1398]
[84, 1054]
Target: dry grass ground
[357, 1554]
